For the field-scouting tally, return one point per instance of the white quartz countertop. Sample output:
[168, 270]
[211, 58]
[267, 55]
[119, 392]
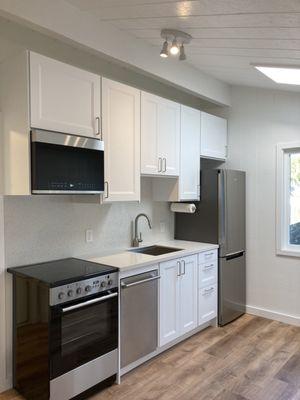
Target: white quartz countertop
[126, 259]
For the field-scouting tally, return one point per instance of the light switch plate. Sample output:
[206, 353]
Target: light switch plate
[162, 227]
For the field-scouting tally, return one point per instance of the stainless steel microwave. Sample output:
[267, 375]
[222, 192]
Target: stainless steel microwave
[66, 164]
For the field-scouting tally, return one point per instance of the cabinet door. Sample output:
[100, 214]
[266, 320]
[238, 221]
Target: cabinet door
[64, 98]
[150, 164]
[189, 180]
[121, 135]
[169, 306]
[188, 294]
[207, 306]
[169, 137]
[213, 136]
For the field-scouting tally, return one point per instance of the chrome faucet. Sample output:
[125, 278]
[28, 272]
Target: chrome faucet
[137, 240]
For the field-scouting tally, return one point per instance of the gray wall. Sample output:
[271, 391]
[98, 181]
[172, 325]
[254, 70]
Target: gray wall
[258, 120]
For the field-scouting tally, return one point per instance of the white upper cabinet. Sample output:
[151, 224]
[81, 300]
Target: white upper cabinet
[160, 136]
[64, 98]
[213, 136]
[189, 180]
[121, 135]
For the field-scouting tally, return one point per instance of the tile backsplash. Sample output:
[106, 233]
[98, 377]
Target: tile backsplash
[44, 228]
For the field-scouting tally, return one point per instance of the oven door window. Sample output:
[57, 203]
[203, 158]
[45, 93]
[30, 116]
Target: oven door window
[83, 334]
[64, 168]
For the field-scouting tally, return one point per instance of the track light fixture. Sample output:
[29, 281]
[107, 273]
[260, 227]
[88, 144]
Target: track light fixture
[164, 51]
[182, 55]
[177, 39]
[174, 48]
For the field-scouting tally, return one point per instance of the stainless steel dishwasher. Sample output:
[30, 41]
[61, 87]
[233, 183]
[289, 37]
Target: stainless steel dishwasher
[139, 315]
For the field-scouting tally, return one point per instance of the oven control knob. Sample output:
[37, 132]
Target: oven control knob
[88, 288]
[61, 295]
[79, 290]
[103, 284]
[110, 282]
[70, 293]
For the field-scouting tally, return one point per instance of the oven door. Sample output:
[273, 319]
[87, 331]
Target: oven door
[82, 330]
[66, 164]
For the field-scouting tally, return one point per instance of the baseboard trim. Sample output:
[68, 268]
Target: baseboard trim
[281, 317]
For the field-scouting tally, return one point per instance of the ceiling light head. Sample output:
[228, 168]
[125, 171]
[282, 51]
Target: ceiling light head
[177, 40]
[289, 75]
[182, 55]
[164, 51]
[174, 48]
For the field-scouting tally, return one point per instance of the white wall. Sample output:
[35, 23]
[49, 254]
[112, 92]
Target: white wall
[258, 120]
[3, 383]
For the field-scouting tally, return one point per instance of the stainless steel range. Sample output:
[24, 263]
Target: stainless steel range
[65, 328]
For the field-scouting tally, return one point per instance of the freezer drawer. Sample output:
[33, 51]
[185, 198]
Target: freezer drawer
[232, 287]
[139, 316]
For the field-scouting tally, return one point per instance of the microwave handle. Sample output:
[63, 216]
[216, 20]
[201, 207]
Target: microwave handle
[88, 302]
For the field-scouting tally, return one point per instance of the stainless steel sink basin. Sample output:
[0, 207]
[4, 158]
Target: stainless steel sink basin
[155, 250]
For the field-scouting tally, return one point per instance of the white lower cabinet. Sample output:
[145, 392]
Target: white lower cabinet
[207, 285]
[178, 298]
[207, 307]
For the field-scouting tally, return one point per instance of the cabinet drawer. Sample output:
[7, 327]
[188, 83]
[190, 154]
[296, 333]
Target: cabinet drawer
[207, 256]
[208, 273]
[207, 304]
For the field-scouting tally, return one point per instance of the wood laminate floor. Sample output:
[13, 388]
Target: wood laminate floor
[251, 359]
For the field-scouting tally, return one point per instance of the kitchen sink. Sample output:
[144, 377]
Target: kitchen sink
[155, 250]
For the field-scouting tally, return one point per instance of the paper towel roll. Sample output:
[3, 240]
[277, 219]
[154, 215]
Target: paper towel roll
[183, 208]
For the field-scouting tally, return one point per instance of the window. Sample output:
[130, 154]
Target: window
[288, 199]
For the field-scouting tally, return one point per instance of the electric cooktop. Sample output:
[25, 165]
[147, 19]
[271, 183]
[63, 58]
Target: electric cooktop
[61, 272]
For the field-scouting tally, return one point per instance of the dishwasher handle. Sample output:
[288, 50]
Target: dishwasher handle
[128, 285]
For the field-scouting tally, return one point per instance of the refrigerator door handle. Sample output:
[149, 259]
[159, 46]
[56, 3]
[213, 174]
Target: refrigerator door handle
[222, 209]
[237, 254]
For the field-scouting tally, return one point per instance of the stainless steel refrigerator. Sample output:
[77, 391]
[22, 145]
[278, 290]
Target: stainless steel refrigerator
[220, 219]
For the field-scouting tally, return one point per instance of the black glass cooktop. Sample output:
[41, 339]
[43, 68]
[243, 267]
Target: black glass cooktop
[61, 272]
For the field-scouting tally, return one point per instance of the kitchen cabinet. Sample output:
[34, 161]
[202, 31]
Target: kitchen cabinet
[178, 298]
[121, 135]
[64, 98]
[207, 286]
[189, 179]
[160, 136]
[207, 308]
[213, 136]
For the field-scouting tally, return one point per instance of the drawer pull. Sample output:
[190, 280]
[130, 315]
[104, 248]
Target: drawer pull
[208, 267]
[208, 254]
[208, 291]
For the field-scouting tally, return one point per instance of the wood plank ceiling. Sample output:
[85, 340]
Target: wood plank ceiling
[228, 35]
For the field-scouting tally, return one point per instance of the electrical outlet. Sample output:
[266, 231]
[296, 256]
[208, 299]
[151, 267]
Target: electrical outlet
[89, 236]
[162, 227]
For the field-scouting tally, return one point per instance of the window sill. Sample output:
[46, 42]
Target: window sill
[288, 252]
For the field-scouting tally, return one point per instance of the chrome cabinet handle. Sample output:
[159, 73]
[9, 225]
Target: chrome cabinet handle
[128, 285]
[183, 261]
[207, 267]
[208, 291]
[98, 126]
[208, 254]
[106, 196]
[178, 268]
[165, 161]
[159, 165]
[86, 303]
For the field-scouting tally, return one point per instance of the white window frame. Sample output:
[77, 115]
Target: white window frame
[283, 247]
